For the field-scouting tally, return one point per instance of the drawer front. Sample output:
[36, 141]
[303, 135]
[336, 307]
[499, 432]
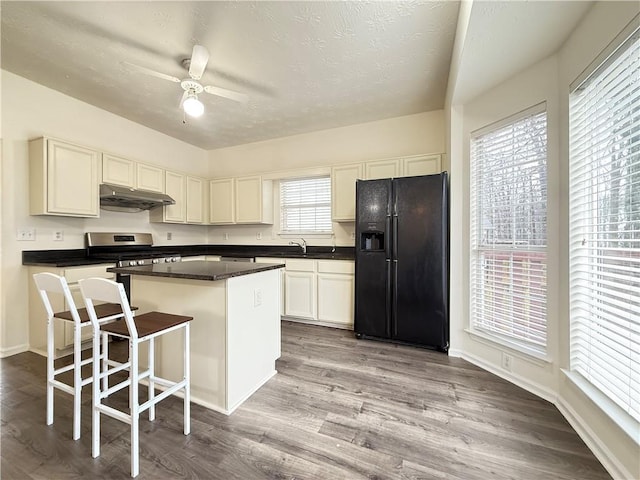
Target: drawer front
[336, 266]
[74, 274]
[300, 265]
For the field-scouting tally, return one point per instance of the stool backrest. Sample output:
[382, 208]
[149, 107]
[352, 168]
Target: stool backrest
[103, 290]
[50, 283]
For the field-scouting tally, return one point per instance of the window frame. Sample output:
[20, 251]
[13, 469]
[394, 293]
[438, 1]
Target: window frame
[620, 414]
[482, 333]
[281, 209]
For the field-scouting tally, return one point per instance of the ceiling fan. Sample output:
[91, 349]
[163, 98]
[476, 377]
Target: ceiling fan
[191, 86]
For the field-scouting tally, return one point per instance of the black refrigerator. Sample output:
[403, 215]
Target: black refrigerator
[402, 260]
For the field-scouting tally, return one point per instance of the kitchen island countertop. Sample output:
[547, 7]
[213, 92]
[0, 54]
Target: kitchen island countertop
[198, 269]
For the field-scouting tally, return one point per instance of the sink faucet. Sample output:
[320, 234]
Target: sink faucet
[302, 245]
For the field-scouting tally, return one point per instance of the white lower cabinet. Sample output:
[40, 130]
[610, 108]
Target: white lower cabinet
[318, 291]
[282, 286]
[63, 330]
[336, 281]
[300, 289]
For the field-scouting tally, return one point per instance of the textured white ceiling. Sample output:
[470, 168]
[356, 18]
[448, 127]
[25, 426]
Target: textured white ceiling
[305, 65]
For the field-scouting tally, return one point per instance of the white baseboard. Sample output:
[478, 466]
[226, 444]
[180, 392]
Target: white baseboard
[7, 352]
[454, 352]
[593, 442]
[535, 388]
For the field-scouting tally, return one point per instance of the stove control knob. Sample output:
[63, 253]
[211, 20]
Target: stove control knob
[155, 260]
[132, 263]
[174, 259]
[140, 262]
[167, 260]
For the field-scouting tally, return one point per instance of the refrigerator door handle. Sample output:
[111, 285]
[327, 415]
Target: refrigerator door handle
[389, 301]
[394, 298]
[394, 238]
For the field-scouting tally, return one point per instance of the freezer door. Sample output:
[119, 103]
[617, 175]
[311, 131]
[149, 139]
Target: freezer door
[420, 261]
[372, 305]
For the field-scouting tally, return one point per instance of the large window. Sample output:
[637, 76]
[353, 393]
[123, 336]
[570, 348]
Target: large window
[605, 227]
[509, 231]
[305, 205]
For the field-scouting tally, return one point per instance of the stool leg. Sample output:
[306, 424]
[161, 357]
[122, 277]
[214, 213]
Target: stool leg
[77, 380]
[95, 384]
[187, 386]
[133, 402]
[152, 356]
[105, 360]
[50, 368]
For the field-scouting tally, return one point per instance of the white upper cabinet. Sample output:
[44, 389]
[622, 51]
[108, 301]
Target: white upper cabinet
[222, 201]
[196, 205]
[118, 170]
[383, 169]
[63, 179]
[175, 185]
[149, 177]
[343, 191]
[253, 200]
[421, 165]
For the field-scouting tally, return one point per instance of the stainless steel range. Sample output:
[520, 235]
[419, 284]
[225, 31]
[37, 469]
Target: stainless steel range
[126, 249]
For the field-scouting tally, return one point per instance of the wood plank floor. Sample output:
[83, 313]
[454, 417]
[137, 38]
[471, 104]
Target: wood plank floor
[339, 408]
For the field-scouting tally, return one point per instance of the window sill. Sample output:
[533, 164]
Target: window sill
[526, 353]
[306, 235]
[626, 422]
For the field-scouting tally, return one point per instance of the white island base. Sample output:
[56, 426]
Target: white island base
[235, 333]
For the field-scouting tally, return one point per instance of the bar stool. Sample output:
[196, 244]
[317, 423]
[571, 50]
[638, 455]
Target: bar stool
[49, 283]
[138, 329]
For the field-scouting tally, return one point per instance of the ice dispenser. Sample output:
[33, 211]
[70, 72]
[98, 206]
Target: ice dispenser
[372, 241]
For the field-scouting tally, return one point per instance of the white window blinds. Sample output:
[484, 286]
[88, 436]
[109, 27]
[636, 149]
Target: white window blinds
[305, 205]
[605, 228]
[509, 230]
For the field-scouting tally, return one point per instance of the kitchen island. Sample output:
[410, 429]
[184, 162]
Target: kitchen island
[235, 332]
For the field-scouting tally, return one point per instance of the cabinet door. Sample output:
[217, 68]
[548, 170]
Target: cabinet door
[118, 170]
[343, 192]
[221, 201]
[282, 285]
[195, 200]
[72, 179]
[421, 165]
[383, 169]
[149, 178]
[248, 195]
[335, 298]
[174, 184]
[300, 294]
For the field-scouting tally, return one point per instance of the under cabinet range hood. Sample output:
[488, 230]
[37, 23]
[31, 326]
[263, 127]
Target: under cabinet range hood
[125, 199]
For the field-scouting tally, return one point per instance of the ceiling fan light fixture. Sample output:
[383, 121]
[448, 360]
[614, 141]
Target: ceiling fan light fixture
[192, 106]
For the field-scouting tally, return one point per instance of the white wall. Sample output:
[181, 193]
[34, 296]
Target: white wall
[394, 137]
[30, 110]
[547, 81]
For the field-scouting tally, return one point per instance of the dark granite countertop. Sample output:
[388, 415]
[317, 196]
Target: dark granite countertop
[78, 257]
[198, 269]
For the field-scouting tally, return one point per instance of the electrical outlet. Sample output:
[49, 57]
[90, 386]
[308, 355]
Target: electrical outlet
[506, 361]
[58, 235]
[257, 297]
[225, 236]
[259, 236]
[169, 235]
[26, 234]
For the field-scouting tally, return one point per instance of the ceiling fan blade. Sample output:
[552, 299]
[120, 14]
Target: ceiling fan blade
[230, 94]
[153, 73]
[199, 59]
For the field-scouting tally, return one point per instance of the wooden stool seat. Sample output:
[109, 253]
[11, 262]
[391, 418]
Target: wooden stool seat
[102, 311]
[146, 324]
